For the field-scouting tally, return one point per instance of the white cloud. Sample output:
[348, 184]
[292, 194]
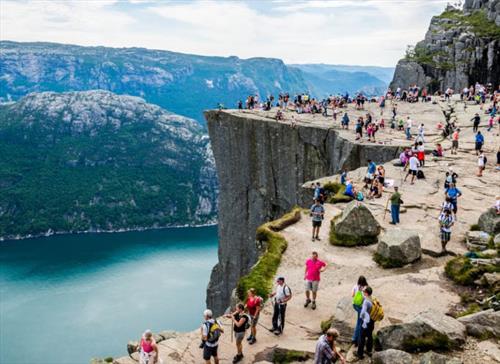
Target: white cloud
[339, 31]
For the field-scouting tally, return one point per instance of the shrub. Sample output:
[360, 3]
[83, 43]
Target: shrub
[326, 324]
[430, 341]
[262, 273]
[474, 227]
[462, 271]
[283, 356]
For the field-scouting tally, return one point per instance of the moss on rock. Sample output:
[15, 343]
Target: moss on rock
[462, 271]
[326, 324]
[349, 240]
[430, 341]
[387, 262]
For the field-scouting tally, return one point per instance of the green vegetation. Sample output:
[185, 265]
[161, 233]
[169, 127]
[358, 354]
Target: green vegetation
[336, 192]
[477, 21]
[462, 271]
[326, 324]
[109, 359]
[474, 227]
[348, 240]
[283, 356]
[472, 308]
[387, 262]
[431, 341]
[262, 273]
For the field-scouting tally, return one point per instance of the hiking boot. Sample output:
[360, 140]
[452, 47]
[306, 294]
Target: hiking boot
[251, 342]
[308, 301]
[250, 337]
[273, 329]
[313, 306]
[277, 332]
[312, 238]
[237, 358]
[317, 238]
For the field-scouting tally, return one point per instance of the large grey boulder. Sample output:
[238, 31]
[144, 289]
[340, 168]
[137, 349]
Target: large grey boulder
[344, 318]
[483, 324]
[434, 358]
[391, 356]
[397, 248]
[489, 222]
[355, 226]
[428, 330]
[477, 240]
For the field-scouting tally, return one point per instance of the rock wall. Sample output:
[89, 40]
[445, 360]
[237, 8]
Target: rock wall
[461, 47]
[261, 166]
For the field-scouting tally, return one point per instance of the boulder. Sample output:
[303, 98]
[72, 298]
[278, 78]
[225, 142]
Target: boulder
[355, 226]
[491, 279]
[434, 358]
[496, 241]
[428, 330]
[477, 240]
[397, 248]
[489, 222]
[344, 319]
[483, 324]
[391, 356]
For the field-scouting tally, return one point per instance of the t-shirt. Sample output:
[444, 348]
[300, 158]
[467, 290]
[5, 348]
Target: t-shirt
[343, 177]
[480, 160]
[238, 317]
[453, 193]
[348, 190]
[396, 198]
[372, 167]
[316, 211]
[252, 304]
[414, 163]
[281, 293]
[409, 123]
[455, 135]
[313, 268]
[446, 221]
[479, 138]
[205, 328]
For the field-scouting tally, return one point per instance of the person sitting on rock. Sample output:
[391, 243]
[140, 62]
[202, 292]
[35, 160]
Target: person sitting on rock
[350, 190]
[326, 351]
[438, 152]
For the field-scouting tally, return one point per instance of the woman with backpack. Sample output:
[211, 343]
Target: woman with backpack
[148, 350]
[253, 306]
[357, 302]
[241, 322]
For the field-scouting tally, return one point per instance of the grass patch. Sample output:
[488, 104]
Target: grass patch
[336, 192]
[474, 227]
[387, 262]
[478, 22]
[473, 308]
[348, 240]
[431, 341]
[282, 356]
[462, 271]
[262, 273]
[109, 359]
[326, 324]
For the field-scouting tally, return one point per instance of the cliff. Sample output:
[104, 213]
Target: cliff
[461, 47]
[261, 166]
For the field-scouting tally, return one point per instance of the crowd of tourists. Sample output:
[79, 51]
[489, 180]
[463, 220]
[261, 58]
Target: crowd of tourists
[245, 318]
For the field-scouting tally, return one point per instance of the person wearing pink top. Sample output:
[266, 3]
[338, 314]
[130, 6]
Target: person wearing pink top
[312, 273]
[148, 350]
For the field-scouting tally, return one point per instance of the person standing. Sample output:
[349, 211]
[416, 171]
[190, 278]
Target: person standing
[446, 221]
[345, 121]
[357, 303]
[211, 331]
[281, 296]
[148, 350]
[317, 214]
[326, 350]
[453, 193]
[413, 169]
[481, 163]
[313, 270]
[421, 131]
[253, 305]
[476, 120]
[239, 320]
[396, 202]
[454, 141]
[367, 325]
[408, 126]
[479, 142]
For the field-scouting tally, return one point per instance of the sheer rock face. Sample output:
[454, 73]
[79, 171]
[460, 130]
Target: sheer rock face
[461, 54]
[261, 166]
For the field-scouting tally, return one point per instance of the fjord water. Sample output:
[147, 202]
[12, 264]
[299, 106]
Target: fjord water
[68, 298]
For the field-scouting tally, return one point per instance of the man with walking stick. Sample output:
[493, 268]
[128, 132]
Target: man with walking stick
[281, 295]
[396, 202]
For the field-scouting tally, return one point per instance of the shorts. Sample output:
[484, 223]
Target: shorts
[454, 143]
[479, 145]
[254, 320]
[209, 351]
[239, 336]
[412, 171]
[445, 236]
[312, 286]
[316, 223]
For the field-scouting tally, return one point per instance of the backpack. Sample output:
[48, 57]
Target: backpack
[420, 174]
[248, 322]
[360, 196]
[214, 332]
[357, 300]
[377, 311]
[485, 159]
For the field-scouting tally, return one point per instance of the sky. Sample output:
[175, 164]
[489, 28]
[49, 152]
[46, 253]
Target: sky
[355, 32]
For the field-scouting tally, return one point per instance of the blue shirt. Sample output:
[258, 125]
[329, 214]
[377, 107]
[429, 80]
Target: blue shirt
[365, 312]
[343, 177]
[453, 193]
[479, 138]
[348, 190]
[372, 167]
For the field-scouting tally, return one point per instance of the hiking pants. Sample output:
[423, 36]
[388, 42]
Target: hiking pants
[357, 330]
[279, 316]
[366, 337]
[408, 133]
[395, 214]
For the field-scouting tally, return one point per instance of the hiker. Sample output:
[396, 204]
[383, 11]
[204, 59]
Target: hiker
[453, 193]
[481, 163]
[370, 173]
[345, 121]
[421, 153]
[211, 331]
[343, 176]
[367, 325]
[396, 202]
[421, 133]
[253, 306]
[357, 303]
[148, 350]
[281, 296]
[350, 190]
[446, 205]
[409, 123]
[359, 128]
[438, 152]
[450, 177]
[375, 189]
[313, 270]
[240, 322]
[326, 351]
[479, 142]
[476, 119]
[446, 221]
[454, 141]
[413, 168]
[317, 191]
[317, 214]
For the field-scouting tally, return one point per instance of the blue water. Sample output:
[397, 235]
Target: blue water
[69, 298]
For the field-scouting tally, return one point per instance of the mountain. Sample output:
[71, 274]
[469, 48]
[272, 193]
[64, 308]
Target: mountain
[97, 161]
[461, 47]
[325, 79]
[182, 83]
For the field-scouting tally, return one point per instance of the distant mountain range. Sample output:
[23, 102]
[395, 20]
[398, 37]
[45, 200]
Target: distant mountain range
[181, 83]
[96, 161]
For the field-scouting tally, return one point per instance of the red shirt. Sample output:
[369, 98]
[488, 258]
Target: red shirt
[252, 304]
[313, 269]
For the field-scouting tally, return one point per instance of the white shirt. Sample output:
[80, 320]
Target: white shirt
[446, 227]
[414, 163]
[281, 293]
[408, 123]
[205, 332]
[480, 160]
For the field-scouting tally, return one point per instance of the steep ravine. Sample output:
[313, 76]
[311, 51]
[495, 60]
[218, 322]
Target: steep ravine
[261, 165]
